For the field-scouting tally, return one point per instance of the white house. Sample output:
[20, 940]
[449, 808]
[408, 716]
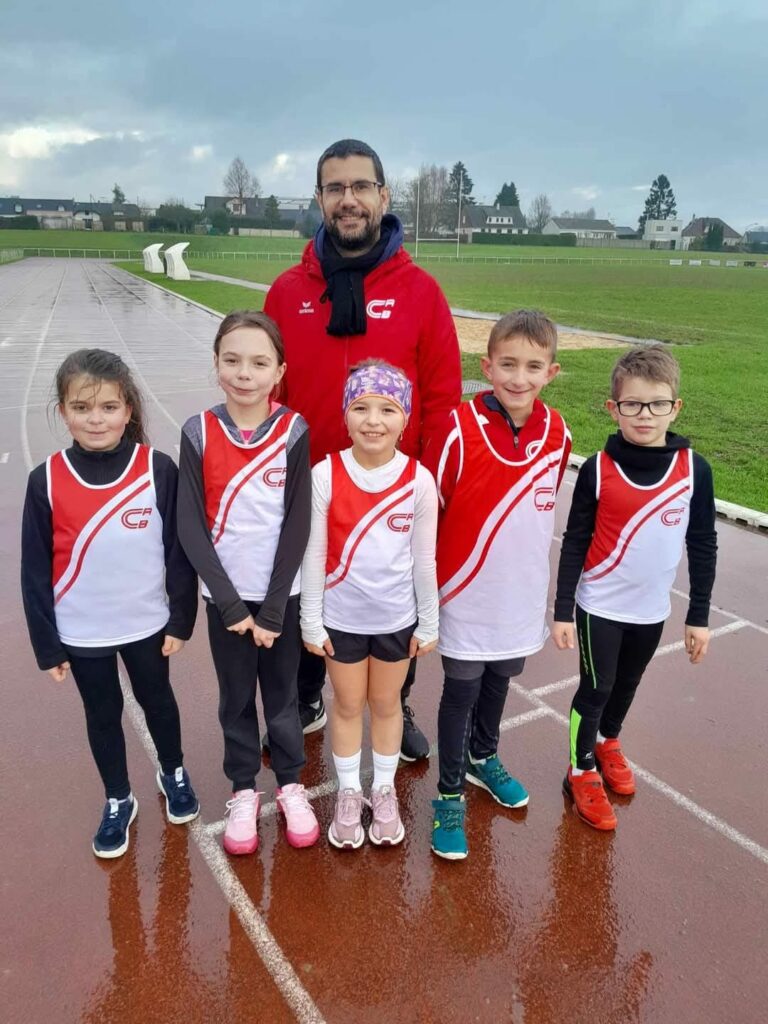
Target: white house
[493, 220]
[582, 227]
[669, 231]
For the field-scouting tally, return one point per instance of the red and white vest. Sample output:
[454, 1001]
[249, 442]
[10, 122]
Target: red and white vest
[108, 555]
[369, 565]
[493, 544]
[638, 542]
[245, 502]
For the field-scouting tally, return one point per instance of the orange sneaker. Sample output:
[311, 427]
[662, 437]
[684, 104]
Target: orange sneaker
[589, 800]
[614, 767]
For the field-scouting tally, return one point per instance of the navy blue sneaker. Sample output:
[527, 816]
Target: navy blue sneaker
[112, 838]
[181, 804]
[492, 776]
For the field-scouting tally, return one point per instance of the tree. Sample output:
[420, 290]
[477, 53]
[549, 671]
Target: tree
[580, 214]
[174, 215]
[459, 179]
[660, 203]
[429, 192]
[272, 213]
[239, 183]
[118, 196]
[220, 221]
[539, 213]
[508, 195]
[713, 240]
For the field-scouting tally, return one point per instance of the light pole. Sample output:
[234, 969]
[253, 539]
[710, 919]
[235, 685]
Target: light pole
[418, 198]
[458, 222]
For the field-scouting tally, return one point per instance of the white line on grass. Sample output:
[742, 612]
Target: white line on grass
[701, 813]
[678, 645]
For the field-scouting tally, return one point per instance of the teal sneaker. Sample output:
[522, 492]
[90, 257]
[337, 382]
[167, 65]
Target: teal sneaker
[491, 775]
[448, 838]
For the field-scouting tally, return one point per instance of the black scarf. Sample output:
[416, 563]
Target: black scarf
[344, 276]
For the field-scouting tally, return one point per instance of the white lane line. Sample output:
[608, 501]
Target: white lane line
[264, 942]
[4, 457]
[699, 812]
[524, 718]
[727, 614]
[678, 645]
[25, 448]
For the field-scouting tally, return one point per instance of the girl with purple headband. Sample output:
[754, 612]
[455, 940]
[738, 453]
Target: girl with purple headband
[369, 591]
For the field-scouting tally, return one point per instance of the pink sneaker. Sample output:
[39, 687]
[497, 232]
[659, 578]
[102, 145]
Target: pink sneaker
[346, 831]
[301, 828]
[386, 828]
[240, 835]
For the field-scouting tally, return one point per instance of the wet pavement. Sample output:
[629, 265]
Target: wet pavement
[547, 921]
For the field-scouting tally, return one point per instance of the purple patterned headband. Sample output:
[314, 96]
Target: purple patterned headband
[384, 381]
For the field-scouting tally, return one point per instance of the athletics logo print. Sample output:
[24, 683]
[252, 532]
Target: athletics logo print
[544, 499]
[380, 309]
[275, 477]
[672, 516]
[136, 518]
[400, 522]
[306, 307]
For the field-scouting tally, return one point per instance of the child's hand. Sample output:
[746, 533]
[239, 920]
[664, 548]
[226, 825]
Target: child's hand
[264, 637]
[59, 672]
[696, 643]
[171, 645]
[327, 648]
[564, 636]
[416, 649]
[247, 625]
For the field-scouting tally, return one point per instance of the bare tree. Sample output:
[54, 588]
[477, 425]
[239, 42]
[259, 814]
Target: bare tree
[539, 213]
[430, 191]
[239, 183]
[580, 214]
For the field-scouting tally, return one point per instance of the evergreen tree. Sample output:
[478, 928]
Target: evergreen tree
[459, 179]
[118, 196]
[660, 203]
[508, 195]
[713, 240]
[272, 212]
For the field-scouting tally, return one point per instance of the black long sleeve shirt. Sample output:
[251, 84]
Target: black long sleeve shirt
[644, 466]
[97, 468]
[195, 534]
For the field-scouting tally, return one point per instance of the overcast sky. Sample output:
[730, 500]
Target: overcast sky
[585, 100]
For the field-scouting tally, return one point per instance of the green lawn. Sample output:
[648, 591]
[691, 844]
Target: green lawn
[715, 317]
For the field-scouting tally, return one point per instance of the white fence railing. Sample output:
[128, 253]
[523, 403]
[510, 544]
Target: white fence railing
[9, 255]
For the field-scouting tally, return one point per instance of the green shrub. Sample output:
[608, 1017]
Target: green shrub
[24, 223]
[551, 240]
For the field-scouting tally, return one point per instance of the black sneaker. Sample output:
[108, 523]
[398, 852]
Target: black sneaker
[181, 804]
[311, 716]
[112, 838]
[414, 745]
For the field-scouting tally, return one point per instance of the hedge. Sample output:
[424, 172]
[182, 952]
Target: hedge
[553, 240]
[24, 223]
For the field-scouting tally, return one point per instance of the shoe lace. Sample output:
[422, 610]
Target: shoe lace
[451, 819]
[351, 806]
[496, 770]
[242, 806]
[294, 800]
[177, 780]
[384, 803]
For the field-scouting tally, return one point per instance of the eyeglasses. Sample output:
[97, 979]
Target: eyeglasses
[659, 407]
[360, 189]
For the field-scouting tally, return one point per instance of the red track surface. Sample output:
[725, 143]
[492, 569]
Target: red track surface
[547, 920]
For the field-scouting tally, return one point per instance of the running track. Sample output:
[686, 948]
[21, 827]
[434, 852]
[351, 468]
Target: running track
[547, 921]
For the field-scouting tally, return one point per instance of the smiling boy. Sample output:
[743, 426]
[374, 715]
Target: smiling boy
[635, 505]
[498, 472]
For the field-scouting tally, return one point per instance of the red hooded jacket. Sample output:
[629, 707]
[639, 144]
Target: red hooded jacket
[409, 325]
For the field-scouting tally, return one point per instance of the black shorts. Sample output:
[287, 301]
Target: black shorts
[350, 648]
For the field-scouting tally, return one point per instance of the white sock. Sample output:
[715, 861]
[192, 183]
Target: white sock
[384, 768]
[477, 760]
[600, 737]
[348, 771]
[577, 771]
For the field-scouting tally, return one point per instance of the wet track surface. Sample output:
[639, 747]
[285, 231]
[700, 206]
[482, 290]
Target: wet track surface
[547, 920]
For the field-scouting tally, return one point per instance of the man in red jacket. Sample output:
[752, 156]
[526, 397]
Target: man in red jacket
[355, 295]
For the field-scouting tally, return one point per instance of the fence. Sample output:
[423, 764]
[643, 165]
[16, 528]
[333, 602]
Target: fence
[9, 255]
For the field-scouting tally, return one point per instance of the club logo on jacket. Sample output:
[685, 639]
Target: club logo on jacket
[306, 307]
[400, 522]
[544, 499]
[380, 309]
[136, 518]
[275, 477]
[672, 516]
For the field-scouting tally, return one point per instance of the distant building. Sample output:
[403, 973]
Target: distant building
[66, 213]
[493, 220]
[52, 213]
[582, 227]
[666, 233]
[292, 211]
[699, 227]
[756, 236]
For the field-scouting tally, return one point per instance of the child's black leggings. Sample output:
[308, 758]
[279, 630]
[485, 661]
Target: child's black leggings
[612, 658]
[239, 663]
[99, 686]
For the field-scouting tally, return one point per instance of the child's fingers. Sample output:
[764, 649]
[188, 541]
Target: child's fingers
[413, 647]
[423, 649]
[328, 648]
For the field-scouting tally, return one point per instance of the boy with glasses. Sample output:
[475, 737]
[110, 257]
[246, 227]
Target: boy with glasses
[635, 505]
